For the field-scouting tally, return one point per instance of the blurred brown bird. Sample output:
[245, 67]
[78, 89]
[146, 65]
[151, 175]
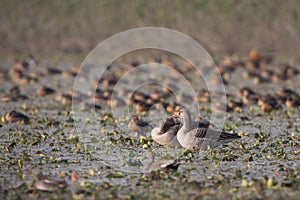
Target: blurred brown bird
[138, 126]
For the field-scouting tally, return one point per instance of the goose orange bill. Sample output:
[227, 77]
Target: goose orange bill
[177, 114]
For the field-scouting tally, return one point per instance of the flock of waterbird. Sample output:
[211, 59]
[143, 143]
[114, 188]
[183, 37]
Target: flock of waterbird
[190, 134]
[176, 131]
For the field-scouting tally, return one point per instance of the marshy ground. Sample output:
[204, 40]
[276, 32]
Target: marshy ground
[61, 143]
[94, 155]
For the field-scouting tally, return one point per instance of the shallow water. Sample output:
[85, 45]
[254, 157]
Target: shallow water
[112, 164]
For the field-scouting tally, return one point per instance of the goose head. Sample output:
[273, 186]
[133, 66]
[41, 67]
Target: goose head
[182, 113]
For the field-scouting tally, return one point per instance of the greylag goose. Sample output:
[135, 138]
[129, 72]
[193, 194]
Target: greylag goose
[199, 138]
[166, 134]
[138, 126]
[163, 165]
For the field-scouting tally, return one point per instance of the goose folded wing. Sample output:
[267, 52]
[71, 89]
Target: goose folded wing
[210, 134]
[199, 132]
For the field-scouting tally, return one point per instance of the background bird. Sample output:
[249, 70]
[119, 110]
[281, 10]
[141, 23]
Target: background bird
[138, 126]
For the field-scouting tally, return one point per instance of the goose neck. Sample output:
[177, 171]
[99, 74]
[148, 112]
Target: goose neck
[187, 121]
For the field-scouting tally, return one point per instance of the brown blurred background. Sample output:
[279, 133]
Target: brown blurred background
[222, 27]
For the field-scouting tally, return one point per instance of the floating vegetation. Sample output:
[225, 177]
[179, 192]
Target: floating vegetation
[98, 156]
